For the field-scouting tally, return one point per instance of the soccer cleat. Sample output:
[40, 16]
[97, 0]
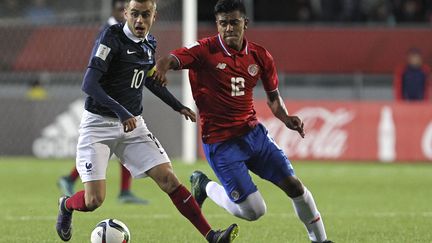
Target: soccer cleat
[223, 236]
[128, 197]
[198, 184]
[66, 185]
[326, 241]
[64, 220]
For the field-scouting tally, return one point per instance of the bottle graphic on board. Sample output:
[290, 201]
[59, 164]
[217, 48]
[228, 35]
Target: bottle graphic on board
[386, 136]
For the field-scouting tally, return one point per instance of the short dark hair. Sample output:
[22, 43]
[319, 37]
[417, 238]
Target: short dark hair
[114, 2]
[226, 6]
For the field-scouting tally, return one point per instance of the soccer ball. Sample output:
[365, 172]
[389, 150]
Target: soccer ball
[110, 231]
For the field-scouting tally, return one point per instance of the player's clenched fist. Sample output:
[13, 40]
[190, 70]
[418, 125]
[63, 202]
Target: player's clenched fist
[129, 125]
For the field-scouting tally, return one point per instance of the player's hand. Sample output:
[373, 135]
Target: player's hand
[129, 125]
[188, 114]
[294, 123]
[161, 69]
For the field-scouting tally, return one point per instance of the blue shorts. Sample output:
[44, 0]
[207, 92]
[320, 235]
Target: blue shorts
[256, 151]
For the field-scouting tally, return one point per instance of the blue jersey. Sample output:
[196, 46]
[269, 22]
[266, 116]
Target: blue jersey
[124, 61]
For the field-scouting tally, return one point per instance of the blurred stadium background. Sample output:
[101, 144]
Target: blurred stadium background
[336, 60]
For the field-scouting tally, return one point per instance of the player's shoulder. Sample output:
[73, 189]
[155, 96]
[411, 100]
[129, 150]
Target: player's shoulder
[152, 40]
[207, 41]
[253, 46]
[113, 31]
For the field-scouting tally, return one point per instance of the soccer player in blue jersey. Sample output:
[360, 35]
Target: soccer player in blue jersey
[122, 57]
[223, 71]
[66, 183]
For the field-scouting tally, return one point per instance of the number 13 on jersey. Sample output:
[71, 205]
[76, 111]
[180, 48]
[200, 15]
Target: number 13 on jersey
[237, 86]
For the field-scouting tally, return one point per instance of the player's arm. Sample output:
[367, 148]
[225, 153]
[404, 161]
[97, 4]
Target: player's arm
[277, 106]
[92, 87]
[166, 96]
[162, 66]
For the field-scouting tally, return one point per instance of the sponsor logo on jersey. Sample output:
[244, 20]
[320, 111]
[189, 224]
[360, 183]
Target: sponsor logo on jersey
[253, 69]
[102, 51]
[221, 66]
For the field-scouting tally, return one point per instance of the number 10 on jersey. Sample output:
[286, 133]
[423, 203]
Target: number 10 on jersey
[137, 78]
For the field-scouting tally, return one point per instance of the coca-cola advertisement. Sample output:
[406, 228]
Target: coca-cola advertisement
[354, 131]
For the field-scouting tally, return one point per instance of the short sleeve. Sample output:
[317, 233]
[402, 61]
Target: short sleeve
[269, 76]
[189, 57]
[103, 50]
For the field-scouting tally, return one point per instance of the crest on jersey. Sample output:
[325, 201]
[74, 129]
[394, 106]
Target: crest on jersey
[253, 69]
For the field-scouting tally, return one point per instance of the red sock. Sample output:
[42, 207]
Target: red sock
[126, 178]
[187, 206]
[77, 202]
[73, 174]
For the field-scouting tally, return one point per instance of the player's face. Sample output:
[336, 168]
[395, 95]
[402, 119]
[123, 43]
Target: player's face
[231, 27]
[118, 11]
[140, 17]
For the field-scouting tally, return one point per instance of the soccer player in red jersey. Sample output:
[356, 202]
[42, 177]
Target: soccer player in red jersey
[121, 60]
[223, 70]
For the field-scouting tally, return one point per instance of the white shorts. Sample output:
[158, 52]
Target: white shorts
[100, 137]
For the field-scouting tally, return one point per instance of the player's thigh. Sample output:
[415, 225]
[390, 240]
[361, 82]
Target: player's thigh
[92, 161]
[270, 162]
[227, 161]
[142, 156]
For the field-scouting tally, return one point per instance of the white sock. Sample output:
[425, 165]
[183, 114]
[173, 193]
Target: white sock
[217, 193]
[306, 210]
[250, 209]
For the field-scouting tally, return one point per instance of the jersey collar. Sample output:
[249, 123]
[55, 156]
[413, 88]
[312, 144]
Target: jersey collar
[229, 51]
[131, 36]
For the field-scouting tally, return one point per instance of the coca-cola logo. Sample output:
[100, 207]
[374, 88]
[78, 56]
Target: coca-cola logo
[426, 142]
[325, 136]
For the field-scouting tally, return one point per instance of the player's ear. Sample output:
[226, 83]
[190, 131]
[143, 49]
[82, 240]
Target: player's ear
[246, 23]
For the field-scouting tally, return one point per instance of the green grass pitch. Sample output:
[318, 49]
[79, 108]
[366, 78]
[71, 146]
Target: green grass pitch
[367, 202]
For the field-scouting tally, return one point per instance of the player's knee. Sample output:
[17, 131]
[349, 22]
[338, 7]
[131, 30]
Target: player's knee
[93, 202]
[257, 212]
[254, 207]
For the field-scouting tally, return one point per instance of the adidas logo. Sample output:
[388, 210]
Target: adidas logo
[59, 139]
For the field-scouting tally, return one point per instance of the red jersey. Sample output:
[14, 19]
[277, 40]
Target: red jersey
[222, 81]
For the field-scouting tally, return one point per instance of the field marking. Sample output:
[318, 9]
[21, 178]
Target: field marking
[225, 215]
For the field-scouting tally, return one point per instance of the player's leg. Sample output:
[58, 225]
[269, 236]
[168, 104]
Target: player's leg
[91, 162]
[126, 195]
[145, 156]
[66, 183]
[252, 208]
[164, 176]
[237, 194]
[273, 165]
